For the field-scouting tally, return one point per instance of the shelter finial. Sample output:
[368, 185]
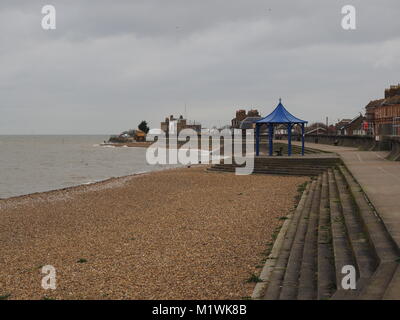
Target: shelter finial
[280, 100]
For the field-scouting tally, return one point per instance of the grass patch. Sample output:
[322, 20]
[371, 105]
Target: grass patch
[253, 279]
[300, 190]
[264, 260]
[302, 187]
[47, 298]
[82, 261]
[267, 252]
[5, 297]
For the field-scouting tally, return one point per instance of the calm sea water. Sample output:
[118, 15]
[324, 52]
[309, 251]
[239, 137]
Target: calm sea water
[41, 163]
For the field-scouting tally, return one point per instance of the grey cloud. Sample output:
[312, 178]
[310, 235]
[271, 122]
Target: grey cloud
[111, 64]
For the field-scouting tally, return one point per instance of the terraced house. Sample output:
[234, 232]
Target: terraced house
[383, 115]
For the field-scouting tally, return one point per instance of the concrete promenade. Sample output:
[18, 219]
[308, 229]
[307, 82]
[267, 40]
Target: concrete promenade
[379, 179]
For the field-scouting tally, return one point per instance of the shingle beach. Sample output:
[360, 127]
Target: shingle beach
[175, 234]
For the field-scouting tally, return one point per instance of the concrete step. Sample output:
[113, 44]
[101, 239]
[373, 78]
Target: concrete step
[293, 171]
[295, 148]
[283, 163]
[286, 160]
[275, 165]
[310, 159]
[291, 279]
[326, 266]
[385, 248]
[288, 172]
[365, 257]
[267, 170]
[379, 285]
[393, 289]
[342, 251]
[275, 282]
[275, 168]
[307, 289]
[335, 226]
[297, 159]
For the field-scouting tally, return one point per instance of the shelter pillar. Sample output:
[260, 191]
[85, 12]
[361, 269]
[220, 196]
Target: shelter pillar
[302, 139]
[289, 139]
[270, 134]
[257, 139]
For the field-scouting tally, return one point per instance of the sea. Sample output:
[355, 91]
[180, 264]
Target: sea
[35, 163]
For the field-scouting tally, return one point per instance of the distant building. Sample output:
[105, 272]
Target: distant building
[370, 115]
[249, 123]
[355, 127]
[282, 129]
[383, 115]
[318, 131]
[173, 125]
[245, 118]
[317, 128]
[240, 116]
[340, 126]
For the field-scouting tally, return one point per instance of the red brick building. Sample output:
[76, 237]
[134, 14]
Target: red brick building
[383, 115]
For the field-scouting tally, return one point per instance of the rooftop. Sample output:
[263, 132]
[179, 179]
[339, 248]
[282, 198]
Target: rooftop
[280, 115]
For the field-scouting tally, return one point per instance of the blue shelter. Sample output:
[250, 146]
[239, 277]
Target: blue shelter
[279, 116]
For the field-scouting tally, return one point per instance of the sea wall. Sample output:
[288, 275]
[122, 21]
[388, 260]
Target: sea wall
[362, 142]
[394, 143]
[386, 143]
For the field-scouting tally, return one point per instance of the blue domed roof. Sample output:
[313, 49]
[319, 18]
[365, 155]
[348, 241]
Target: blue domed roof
[280, 115]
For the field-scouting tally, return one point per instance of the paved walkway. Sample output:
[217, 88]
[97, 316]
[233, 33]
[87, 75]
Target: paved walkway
[379, 178]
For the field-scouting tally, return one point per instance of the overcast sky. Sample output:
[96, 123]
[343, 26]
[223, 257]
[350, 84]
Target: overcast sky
[110, 64]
